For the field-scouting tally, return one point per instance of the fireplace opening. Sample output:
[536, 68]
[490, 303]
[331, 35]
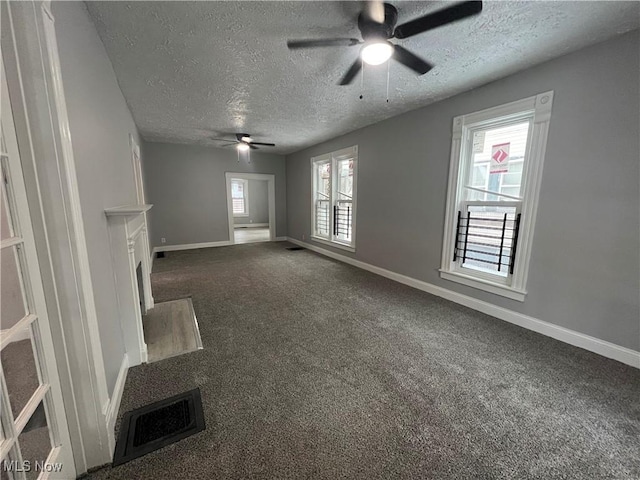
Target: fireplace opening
[140, 288]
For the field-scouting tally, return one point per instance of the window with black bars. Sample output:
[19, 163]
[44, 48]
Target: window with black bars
[342, 219]
[322, 217]
[487, 238]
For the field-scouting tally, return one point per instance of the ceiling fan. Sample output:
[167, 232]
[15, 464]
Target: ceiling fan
[377, 24]
[244, 142]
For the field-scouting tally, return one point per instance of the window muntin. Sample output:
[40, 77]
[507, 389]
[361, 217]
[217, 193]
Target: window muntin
[334, 192]
[239, 194]
[487, 189]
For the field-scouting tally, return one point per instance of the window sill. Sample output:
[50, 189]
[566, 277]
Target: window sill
[240, 215]
[487, 286]
[333, 244]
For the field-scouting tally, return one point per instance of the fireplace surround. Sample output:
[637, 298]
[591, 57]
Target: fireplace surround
[129, 242]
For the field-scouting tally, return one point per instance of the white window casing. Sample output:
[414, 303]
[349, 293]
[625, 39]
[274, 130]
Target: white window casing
[333, 190]
[537, 111]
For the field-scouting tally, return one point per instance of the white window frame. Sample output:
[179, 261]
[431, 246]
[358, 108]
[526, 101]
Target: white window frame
[333, 158]
[537, 107]
[245, 196]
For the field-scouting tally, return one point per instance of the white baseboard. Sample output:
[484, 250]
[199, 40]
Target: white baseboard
[601, 347]
[114, 403]
[190, 246]
[250, 225]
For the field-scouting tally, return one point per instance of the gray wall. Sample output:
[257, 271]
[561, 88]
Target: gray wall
[258, 203]
[187, 187]
[100, 127]
[585, 262]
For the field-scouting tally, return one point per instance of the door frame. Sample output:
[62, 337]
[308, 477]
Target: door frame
[34, 78]
[35, 324]
[271, 196]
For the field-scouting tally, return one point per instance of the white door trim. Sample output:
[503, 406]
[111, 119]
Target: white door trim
[42, 126]
[271, 195]
[37, 323]
[75, 210]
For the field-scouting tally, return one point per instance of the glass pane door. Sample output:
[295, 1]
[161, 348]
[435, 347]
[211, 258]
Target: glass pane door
[34, 440]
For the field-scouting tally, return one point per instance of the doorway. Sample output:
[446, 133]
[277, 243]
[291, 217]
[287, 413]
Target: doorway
[251, 207]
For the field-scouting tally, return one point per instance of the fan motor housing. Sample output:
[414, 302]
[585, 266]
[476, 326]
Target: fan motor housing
[370, 29]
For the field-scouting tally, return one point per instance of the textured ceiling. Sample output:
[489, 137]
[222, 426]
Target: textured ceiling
[193, 70]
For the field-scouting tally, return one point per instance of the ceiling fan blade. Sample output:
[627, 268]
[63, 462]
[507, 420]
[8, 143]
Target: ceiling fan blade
[223, 140]
[437, 19]
[352, 72]
[328, 42]
[264, 144]
[252, 147]
[374, 10]
[410, 60]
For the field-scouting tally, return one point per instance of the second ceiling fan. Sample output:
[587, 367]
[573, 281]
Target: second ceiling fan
[244, 142]
[377, 24]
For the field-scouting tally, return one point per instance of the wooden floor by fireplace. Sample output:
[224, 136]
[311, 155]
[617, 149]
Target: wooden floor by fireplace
[171, 329]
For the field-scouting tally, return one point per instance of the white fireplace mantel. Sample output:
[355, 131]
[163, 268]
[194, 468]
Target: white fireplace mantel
[128, 210]
[129, 242]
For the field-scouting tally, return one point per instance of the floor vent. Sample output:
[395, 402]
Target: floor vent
[157, 425]
[295, 248]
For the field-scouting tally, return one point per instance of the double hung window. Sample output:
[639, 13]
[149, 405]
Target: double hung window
[496, 165]
[334, 179]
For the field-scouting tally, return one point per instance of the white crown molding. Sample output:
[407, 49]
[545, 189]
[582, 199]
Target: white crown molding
[595, 345]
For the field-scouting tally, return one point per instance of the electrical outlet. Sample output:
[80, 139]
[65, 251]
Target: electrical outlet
[163, 240]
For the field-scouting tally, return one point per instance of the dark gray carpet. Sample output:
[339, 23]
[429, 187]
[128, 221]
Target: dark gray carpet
[315, 369]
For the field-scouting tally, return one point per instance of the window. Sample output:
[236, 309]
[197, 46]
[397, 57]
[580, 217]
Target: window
[494, 182]
[334, 178]
[239, 197]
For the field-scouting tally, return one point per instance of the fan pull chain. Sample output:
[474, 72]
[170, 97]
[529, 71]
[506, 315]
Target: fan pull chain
[388, 69]
[362, 80]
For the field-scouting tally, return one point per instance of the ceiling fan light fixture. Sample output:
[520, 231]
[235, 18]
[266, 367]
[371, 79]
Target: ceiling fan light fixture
[242, 147]
[245, 139]
[377, 53]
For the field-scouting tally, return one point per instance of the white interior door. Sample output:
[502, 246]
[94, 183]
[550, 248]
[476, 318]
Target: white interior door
[34, 438]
